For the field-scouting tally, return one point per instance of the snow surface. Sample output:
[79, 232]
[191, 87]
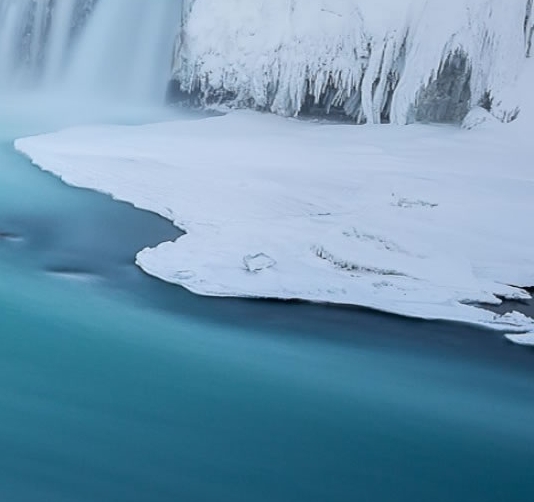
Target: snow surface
[374, 59]
[420, 220]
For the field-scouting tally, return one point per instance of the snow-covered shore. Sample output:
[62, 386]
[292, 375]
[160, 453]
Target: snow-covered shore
[418, 220]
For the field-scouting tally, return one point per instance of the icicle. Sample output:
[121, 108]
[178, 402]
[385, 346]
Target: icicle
[529, 27]
[375, 59]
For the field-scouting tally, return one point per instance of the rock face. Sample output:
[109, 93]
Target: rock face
[370, 61]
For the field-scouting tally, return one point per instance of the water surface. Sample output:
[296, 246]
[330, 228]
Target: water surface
[117, 387]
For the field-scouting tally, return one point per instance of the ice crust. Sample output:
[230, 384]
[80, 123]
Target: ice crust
[372, 60]
[423, 221]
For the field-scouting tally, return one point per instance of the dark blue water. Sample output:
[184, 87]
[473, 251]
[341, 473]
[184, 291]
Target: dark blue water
[117, 387]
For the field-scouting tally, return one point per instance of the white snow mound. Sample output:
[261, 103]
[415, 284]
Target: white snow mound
[422, 221]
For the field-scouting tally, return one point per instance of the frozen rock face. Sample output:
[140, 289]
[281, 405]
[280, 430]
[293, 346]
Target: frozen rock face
[369, 60]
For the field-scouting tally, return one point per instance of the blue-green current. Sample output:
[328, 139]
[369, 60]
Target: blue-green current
[115, 387]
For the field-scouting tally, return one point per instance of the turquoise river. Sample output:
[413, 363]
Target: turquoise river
[115, 387]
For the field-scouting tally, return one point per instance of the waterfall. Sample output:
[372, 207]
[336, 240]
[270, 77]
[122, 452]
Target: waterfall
[91, 49]
[126, 49]
[21, 35]
[60, 32]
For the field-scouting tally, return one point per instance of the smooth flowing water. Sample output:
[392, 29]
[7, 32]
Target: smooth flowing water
[117, 387]
[117, 49]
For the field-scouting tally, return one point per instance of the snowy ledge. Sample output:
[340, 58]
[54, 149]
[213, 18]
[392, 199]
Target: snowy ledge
[422, 221]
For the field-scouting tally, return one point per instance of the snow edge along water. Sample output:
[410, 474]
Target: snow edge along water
[389, 218]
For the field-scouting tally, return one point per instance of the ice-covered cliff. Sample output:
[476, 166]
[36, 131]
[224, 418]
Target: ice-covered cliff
[371, 60]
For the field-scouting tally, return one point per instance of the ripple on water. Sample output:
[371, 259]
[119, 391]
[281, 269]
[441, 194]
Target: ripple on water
[10, 237]
[72, 274]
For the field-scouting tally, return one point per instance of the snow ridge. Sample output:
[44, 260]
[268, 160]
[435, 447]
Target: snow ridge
[371, 60]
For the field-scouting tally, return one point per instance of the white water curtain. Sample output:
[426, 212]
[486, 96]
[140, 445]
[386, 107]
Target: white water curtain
[117, 49]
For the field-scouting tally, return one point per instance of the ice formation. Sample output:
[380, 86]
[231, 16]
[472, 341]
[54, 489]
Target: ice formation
[371, 60]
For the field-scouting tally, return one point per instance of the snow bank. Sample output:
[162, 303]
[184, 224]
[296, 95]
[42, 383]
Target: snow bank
[373, 60]
[422, 221]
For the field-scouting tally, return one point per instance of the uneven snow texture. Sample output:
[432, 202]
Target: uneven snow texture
[423, 221]
[372, 60]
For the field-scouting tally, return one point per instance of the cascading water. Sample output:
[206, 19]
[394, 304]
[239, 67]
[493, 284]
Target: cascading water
[58, 39]
[126, 49]
[116, 49]
[36, 38]
[21, 37]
